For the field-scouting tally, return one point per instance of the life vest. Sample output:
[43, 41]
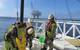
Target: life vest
[49, 26]
[50, 30]
[21, 43]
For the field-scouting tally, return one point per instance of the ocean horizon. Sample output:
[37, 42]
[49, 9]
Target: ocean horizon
[5, 22]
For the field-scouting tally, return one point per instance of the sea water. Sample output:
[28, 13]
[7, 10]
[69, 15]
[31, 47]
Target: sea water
[5, 22]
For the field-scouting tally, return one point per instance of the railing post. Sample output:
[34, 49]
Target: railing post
[36, 29]
[64, 28]
[44, 26]
[74, 30]
[57, 28]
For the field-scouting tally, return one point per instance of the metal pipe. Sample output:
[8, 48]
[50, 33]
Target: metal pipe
[22, 11]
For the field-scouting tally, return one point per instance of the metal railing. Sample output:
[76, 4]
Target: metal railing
[74, 28]
[69, 28]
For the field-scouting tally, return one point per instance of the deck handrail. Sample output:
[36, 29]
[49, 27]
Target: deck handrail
[61, 29]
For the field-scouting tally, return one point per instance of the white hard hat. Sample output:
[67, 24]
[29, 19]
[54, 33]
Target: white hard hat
[50, 16]
[29, 20]
[30, 31]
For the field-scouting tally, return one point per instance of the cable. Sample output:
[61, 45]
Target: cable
[31, 3]
[68, 9]
[32, 7]
[55, 8]
[17, 14]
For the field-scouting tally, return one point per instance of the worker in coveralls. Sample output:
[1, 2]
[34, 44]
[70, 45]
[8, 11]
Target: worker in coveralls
[21, 38]
[50, 33]
[30, 33]
[10, 38]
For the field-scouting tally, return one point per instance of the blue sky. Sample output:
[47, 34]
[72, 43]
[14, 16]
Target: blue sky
[57, 7]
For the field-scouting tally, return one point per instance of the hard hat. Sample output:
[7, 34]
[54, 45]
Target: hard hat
[30, 31]
[50, 16]
[29, 20]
